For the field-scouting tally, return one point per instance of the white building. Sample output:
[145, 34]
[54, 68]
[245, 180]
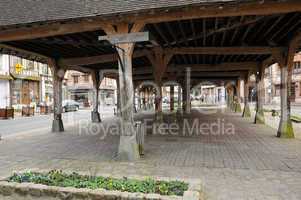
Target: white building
[28, 86]
[5, 78]
[46, 86]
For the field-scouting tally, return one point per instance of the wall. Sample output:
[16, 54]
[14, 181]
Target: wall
[4, 94]
[4, 84]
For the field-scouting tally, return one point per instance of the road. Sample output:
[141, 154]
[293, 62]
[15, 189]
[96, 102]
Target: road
[42, 123]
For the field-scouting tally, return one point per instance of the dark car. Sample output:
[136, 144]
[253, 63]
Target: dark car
[70, 105]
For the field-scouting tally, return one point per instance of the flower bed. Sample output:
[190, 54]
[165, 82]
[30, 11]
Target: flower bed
[56, 183]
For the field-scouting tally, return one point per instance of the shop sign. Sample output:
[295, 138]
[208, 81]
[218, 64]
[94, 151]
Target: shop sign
[18, 68]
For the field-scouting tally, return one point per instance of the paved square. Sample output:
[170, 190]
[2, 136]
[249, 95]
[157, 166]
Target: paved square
[249, 164]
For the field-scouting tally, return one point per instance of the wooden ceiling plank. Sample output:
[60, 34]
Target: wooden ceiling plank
[223, 50]
[290, 29]
[185, 38]
[236, 31]
[273, 26]
[288, 23]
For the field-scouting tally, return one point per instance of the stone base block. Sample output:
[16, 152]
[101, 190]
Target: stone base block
[128, 149]
[237, 107]
[95, 117]
[259, 117]
[57, 125]
[285, 129]
[246, 112]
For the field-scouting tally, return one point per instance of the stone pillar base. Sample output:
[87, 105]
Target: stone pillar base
[285, 129]
[259, 117]
[128, 149]
[247, 111]
[232, 106]
[237, 107]
[95, 117]
[57, 125]
[159, 117]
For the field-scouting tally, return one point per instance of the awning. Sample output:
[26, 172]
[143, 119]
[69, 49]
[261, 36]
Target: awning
[5, 77]
[31, 78]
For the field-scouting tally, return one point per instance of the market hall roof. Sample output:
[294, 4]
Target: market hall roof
[175, 24]
[29, 11]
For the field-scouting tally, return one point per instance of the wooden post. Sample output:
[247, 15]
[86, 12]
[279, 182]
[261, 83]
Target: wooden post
[58, 77]
[159, 60]
[172, 96]
[238, 97]
[184, 97]
[286, 62]
[259, 117]
[134, 101]
[95, 117]
[118, 113]
[158, 103]
[186, 92]
[144, 99]
[179, 98]
[246, 111]
[139, 99]
[285, 129]
[128, 147]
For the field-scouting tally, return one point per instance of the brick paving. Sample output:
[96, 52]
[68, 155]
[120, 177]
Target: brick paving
[249, 164]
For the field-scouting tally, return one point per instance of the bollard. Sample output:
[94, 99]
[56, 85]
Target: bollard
[140, 136]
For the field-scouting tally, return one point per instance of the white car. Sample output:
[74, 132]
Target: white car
[70, 105]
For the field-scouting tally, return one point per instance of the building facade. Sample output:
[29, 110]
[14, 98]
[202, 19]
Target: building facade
[5, 80]
[24, 82]
[80, 88]
[272, 82]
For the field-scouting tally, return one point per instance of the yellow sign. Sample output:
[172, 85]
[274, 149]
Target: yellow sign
[18, 68]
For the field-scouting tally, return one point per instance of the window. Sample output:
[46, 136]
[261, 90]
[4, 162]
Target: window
[297, 65]
[28, 64]
[75, 79]
[86, 77]
[14, 60]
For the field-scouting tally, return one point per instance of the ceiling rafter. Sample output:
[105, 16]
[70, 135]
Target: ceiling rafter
[292, 19]
[235, 25]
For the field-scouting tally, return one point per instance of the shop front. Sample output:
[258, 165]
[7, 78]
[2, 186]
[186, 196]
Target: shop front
[25, 93]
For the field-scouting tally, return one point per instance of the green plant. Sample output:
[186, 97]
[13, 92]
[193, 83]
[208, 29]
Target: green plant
[61, 179]
[296, 118]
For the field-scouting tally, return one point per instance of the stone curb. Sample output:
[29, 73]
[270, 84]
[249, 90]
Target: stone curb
[37, 191]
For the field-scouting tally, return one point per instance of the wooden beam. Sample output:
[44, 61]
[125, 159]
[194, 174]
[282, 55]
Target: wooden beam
[223, 50]
[195, 12]
[248, 21]
[49, 30]
[22, 51]
[219, 74]
[220, 10]
[240, 66]
[97, 59]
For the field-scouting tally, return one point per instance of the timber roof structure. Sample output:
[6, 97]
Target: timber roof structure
[226, 35]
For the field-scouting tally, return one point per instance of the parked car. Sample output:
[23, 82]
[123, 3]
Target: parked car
[70, 105]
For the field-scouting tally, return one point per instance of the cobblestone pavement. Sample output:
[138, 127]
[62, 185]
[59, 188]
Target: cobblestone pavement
[249, 164]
